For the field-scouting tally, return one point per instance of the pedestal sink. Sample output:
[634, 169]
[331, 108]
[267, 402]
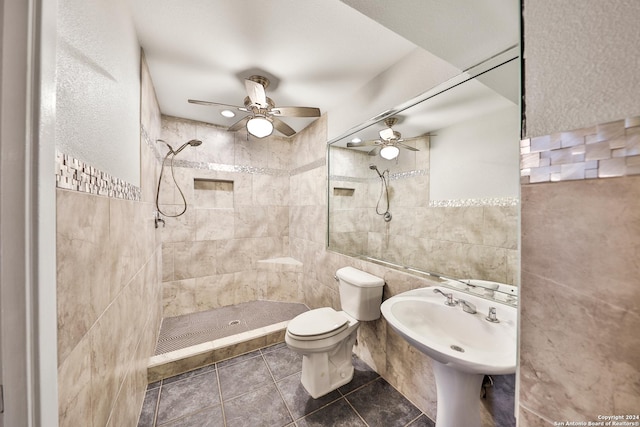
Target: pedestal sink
[464, 346]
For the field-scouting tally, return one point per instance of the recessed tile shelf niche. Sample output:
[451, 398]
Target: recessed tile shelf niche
[342, 191]
[213, 193]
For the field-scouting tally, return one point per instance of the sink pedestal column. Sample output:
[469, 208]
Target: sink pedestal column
[458, 397]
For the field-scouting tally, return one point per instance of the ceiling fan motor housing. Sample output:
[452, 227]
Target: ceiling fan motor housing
[260, 79]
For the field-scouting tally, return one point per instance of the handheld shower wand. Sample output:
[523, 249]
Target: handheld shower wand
[173, 153]
[384, 188]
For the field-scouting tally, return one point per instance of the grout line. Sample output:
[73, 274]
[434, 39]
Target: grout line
[321, 408]
[359, 388]
[155, 413]
[275, 383]
[415, 419]
[354, 410]
[224, 417]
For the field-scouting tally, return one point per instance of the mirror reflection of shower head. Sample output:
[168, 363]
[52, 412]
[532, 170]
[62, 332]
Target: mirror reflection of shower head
[375, 168]
[384, 189]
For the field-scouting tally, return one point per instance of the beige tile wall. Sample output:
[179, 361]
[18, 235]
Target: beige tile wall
[106, 274]
[108, 296]
[580, 300]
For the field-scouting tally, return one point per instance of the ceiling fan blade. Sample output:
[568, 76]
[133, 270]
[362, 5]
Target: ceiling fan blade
[256, 93]
[362, 144]
[374, 152]
[408, 147]
[239, 124]
[283, 128]
[209, 103]
[217, 104]
[296, 111]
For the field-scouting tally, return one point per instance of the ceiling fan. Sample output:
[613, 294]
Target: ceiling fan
[263, 114]
[388, 144]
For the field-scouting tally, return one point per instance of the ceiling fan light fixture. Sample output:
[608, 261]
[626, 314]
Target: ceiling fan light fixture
[389, 152]
[259, 127]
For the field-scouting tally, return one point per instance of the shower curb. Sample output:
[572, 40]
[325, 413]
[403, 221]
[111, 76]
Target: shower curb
[197, 356]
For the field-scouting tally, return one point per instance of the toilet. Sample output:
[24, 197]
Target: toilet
[325, 337]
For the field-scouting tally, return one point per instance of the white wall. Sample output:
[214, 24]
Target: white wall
[597, 41]
[462, 33]
[98, 87]
[477, 158]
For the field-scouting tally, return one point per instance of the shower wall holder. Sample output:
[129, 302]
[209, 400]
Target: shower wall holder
[157, 219]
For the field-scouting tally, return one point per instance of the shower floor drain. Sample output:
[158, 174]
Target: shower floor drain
[234, 322]
[457, 348]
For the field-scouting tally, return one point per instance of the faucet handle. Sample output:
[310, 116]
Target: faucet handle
[492, 315]
[450, 301]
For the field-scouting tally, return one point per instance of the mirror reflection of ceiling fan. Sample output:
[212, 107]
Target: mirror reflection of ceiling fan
[389, 144]
[263, 114]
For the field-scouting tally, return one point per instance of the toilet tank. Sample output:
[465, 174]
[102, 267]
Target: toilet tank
[360, 293]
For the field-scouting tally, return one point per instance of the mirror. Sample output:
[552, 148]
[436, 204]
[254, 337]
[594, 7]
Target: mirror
[447, 205]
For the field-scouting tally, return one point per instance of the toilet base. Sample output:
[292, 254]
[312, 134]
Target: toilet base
[326, 371]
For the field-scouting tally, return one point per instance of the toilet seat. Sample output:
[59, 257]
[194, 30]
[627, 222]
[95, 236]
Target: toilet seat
[317, 324]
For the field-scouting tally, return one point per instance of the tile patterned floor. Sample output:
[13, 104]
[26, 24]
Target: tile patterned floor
[263, 388]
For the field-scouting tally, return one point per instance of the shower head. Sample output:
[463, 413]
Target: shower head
[375, 168]
[193, 143]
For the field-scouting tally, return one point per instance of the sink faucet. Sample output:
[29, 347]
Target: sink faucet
[450, 301]
[467, 306]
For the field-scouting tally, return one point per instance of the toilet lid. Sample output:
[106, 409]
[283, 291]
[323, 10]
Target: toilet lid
[320, 321]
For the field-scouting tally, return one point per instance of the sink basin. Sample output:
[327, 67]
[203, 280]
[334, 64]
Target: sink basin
[464, 346]
[465, 341]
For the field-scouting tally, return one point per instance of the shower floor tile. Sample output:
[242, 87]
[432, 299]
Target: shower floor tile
[263, 388]
[196, 328]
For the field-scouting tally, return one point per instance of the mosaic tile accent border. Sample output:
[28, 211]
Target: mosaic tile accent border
[463, 203]
[603, 151]
[74, 174]
[150, 143]
[409, 174]
[220, 167]
[230, 168]
[392, 177]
